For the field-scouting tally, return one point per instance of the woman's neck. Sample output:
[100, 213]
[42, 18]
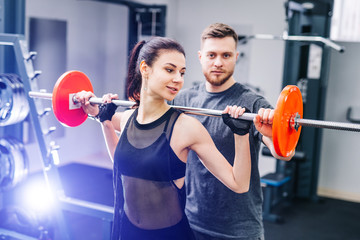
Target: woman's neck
[151, 110]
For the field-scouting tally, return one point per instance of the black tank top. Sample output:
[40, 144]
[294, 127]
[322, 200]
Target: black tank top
[144, 168]
[144, 150]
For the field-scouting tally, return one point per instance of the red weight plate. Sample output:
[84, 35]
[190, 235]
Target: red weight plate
[285, 138]
[67, 85]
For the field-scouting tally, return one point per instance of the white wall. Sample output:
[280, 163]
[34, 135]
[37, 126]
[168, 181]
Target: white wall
[340, 161]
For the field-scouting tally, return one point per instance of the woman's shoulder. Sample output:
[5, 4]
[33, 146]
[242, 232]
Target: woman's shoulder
[188, 123]
[125, 116]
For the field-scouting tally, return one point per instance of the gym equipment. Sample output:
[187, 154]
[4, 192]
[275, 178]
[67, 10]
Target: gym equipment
[286, 124]
[306, 64]
[14, 163]
[26, 223]
[49, 149]
[14, 106]
[286, 37]
[272, 182]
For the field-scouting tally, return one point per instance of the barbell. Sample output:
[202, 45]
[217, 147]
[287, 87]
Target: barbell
[286, 125]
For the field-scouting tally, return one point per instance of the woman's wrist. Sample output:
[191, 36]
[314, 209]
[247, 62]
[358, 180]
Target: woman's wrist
[106, 112]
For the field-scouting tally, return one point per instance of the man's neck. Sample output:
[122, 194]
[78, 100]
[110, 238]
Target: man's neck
[214, 89]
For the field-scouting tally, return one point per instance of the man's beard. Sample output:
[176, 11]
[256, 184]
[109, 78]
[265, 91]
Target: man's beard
[218, 81]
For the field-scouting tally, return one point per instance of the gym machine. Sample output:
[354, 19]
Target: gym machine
[307, 66]
[306, 63]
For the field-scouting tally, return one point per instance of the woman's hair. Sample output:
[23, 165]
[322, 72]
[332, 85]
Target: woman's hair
[218, 30]
[148, 52]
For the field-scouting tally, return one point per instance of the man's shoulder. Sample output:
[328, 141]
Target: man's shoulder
[251, 98]
[241, 91]
[189, 92]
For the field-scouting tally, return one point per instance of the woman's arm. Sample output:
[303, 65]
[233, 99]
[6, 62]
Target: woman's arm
[109, 129]
[236, 177]
[197, 138]
[110, 126]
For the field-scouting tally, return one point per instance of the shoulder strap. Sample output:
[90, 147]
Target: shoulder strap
[171, 121]
[168, 119]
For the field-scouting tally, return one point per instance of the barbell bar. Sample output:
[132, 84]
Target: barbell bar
[286, 125]
[129, 104]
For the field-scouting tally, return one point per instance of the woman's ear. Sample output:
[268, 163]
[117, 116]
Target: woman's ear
[144, 68]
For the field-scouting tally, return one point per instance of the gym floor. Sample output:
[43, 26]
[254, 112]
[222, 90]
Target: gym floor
[328, 219]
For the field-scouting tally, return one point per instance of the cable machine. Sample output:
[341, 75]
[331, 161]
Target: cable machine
[306, 64]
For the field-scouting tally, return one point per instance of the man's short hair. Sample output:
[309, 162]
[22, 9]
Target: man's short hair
[219, 30]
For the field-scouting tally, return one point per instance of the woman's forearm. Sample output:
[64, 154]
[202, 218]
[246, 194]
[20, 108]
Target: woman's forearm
[111, 138]
[242, 163]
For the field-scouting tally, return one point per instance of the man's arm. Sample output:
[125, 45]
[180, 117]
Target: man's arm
[269, 143]
[263, 123]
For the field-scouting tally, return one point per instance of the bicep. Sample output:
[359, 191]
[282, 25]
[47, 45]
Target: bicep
[208, 153]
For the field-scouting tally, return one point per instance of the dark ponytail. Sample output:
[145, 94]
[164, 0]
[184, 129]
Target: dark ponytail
[148, 52]
[134, 80]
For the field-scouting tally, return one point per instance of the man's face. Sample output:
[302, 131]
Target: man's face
[218, 58]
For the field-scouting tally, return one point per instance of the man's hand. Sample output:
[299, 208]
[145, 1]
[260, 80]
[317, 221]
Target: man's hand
[263, 121]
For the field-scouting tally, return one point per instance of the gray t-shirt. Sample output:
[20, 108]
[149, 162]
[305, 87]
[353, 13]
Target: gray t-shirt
[211, 207]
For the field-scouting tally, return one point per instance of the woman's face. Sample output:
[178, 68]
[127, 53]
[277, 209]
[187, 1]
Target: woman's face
[166, 76]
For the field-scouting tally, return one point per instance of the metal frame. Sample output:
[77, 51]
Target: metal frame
[287, 37]
[48, 148]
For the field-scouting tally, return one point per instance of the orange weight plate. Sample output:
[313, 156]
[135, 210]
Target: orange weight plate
[68, 113]
[285, 138]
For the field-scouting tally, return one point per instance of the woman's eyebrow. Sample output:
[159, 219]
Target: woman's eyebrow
[173, 65]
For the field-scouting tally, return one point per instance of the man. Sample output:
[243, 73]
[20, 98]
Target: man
[214, 211]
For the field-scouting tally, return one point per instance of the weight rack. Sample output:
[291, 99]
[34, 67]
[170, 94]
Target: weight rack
[49, 149]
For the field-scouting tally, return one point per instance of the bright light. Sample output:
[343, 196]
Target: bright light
[38, 197]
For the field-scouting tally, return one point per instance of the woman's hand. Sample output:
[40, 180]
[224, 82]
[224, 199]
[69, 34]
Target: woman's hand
[83, 98]
[230, 117]
[107, 98]
[108, 109]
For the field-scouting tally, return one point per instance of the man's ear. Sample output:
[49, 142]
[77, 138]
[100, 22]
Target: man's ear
[199, 55]
[237, 55]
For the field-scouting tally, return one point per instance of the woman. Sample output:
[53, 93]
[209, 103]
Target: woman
[150, 154]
